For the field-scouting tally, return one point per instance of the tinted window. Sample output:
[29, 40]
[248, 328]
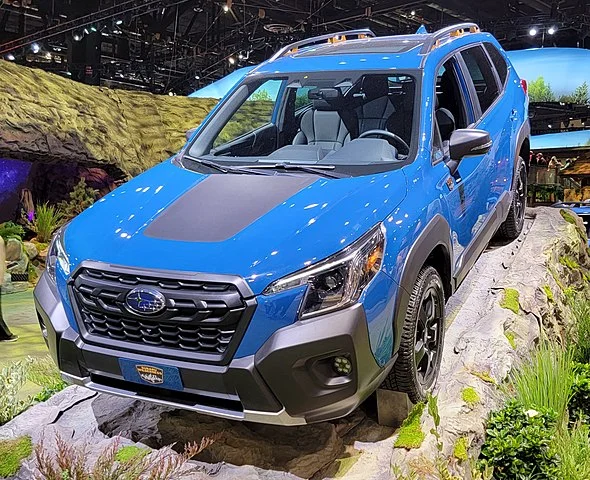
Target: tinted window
[482, 75]
[498, 61]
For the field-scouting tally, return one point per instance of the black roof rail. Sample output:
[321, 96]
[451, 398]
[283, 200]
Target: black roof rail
[328, 38]
[448, 32]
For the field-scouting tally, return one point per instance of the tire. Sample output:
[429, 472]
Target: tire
[514, 222]
[426, 313]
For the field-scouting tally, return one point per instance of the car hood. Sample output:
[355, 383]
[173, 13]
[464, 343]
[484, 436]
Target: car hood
[258, 227]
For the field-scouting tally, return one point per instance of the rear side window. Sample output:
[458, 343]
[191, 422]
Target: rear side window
[482, 75]
[499, 62]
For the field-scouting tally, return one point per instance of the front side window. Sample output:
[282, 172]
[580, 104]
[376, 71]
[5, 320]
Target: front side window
[256, 112]
[338, 119]
[482, 75]
[498, 60]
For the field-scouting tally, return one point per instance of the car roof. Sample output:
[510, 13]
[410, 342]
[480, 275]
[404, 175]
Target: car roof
[404, 52]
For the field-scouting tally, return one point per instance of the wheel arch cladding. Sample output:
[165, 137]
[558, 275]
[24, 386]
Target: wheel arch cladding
[432, 247]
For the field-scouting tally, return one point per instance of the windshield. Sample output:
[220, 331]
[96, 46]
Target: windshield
[333, 120]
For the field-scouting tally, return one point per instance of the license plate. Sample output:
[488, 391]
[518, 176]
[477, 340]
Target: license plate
[151, 374]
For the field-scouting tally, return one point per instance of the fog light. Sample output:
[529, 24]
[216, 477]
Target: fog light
[342, 366]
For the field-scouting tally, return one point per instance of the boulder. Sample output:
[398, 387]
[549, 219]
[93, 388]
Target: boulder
[31, 250]
[14, 250]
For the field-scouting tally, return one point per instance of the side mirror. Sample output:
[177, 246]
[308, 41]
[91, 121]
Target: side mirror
[467, 142]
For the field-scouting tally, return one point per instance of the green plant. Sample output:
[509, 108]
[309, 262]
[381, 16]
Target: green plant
[511, 337]
[580, 306]
[568, 216]
[12, 379]
[81, 197]
[43, 372]
[11, 230]
[12, 453]
[579, 404]
[47, 219]
[70, 462]
[127, 453]
[572, 447]
[569, 262]
[548, 293]
[544, 380]
[470, 396]
[518, 443]
[410, 433]
[461, 448]
[539, 91]
[510, 300]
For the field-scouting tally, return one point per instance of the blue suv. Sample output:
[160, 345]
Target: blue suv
[298, 252]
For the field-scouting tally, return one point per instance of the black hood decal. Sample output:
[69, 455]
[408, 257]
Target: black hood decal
[222, 205]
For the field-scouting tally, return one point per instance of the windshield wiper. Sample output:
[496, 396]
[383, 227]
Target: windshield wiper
[222, 169]
[314, 169]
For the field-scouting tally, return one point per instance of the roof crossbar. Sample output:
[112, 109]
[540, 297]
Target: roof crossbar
[448, 32]
[328, 38]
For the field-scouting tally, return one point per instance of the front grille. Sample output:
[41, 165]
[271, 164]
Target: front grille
[201, 319]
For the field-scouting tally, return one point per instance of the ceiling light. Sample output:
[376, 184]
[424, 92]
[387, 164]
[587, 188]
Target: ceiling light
[93, 28]
[232, 60]
[533, 31]
[77, 36]
[225, 8]
[48, 56]
[119, 22]
[413, 13]
[197, 77]
[552, 30]
[10, 57]
[35, 48]
[241, 56]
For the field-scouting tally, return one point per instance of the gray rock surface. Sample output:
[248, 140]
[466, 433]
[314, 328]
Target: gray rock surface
[14, 248]
[31, 250]
[354, 447]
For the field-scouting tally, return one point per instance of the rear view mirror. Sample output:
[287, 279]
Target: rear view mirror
[328, 94]
[469, 142]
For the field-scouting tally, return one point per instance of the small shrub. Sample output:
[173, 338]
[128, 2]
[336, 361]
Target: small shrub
[81, 197]
[518, 443]
[12, 453]
[544, 380]
[45, 222]
[44, 373]
[548, 293]
[11, 230]
[510, 300]
[470, 396]
[125, 454]
[70, 462]
[12, 379]
[461, 448]
[569, 262]
[581, 310]
[573, 450]
[579, 404]
[410, 433]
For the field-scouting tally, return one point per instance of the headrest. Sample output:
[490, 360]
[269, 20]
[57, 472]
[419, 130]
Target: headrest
[375, 86]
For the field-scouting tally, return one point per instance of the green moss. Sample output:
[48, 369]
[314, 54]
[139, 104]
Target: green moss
[511, 339]
[411, 434]
[548, 293]
[569, 262]
[12, 454]
[510, 300]
[557, 279]
[470, 396]
[568, 216]
[485, 376]
[460, 450]
[130, 452]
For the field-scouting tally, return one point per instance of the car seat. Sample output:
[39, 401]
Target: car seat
[377, 108]
[322, 125]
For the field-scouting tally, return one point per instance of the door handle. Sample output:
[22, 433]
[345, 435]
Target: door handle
[514, 115]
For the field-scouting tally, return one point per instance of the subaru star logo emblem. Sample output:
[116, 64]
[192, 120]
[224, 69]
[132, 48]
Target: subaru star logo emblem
[145, 301]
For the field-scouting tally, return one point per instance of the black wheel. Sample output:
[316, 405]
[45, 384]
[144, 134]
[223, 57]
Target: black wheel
[420, 353]
[514, 222]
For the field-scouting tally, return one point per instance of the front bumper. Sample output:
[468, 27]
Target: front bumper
[288, 381]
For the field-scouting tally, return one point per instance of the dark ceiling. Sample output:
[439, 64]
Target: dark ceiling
[176, 46]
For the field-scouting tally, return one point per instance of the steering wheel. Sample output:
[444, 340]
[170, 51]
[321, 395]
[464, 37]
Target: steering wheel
[389, 135]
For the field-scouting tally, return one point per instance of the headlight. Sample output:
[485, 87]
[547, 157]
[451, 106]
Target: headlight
[338, 281]
[57, 254]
